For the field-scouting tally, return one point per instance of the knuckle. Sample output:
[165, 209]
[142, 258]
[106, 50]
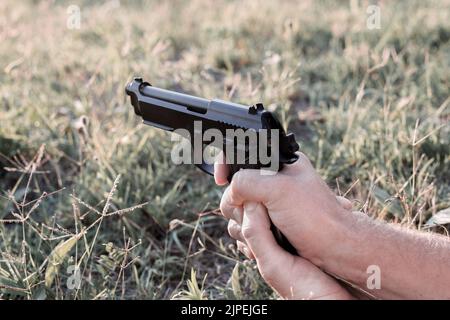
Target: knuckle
[242, 181]
[236, 182]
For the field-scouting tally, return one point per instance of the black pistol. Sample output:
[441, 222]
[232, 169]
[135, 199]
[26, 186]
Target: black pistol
[173, 111]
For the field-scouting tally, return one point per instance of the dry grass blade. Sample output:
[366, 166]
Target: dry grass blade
[57, 256]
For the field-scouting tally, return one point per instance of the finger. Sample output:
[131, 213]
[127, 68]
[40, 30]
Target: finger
[344, 202]
[242, 247]
[220, 170]
[291, 276]
[270, 257]
[253, 185]
[228, 209]
[234, 229]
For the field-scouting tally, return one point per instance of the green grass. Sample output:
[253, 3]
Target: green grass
[370, 108]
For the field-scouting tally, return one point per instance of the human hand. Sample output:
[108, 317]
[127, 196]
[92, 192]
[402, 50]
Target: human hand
[290, 199]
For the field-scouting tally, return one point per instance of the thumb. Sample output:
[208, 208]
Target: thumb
[272, 260]
[291, 276]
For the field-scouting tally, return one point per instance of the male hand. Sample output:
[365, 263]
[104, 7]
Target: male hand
[302, 206]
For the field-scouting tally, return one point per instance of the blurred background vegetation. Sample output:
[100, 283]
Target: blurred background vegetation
[370, 107]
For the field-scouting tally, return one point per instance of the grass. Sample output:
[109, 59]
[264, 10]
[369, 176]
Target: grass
[83, 183]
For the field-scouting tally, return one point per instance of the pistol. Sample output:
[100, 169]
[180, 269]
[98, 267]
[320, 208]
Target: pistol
[174, 111]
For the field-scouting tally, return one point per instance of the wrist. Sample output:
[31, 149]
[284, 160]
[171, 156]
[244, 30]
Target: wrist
[344, 245]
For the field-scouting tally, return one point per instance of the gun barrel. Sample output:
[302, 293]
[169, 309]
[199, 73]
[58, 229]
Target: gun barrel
[196, 103]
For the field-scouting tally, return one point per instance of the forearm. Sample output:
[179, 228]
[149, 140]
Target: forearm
[412, 264]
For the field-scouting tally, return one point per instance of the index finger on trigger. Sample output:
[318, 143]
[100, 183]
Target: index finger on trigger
[220, 170]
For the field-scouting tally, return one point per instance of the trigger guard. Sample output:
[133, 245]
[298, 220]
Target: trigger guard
[205, 167]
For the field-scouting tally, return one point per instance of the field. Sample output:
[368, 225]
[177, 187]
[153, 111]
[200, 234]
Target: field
[84, 186]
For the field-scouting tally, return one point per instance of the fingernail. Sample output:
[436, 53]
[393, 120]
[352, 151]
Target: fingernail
[250, 206]
[246, 252]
